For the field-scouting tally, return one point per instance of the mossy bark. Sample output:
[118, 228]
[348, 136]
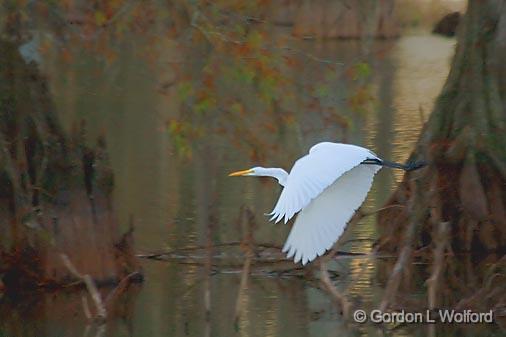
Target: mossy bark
[464, 143]
[54, 190]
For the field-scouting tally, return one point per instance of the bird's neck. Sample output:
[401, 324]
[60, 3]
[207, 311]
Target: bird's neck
[277, 173]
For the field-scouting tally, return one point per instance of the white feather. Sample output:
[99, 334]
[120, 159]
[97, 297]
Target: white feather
[313, 173]
[326, 186]
[321, 223]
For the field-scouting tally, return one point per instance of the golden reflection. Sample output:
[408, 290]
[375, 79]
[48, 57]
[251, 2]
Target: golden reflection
[244, 318]
[371, 123]
[423, 63]
[361, 270]
[271, 318]
[406, 82]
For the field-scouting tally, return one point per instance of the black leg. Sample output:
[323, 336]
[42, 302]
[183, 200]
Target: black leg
[406, 167]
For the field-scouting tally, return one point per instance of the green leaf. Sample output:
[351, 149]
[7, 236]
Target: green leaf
[185, 90]
[100, 18]
[322, 91]
[362, 70]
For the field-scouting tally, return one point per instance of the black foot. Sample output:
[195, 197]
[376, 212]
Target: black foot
[415, 165]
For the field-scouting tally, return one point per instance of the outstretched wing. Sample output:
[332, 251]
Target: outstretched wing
[321, 223]
[313, 173]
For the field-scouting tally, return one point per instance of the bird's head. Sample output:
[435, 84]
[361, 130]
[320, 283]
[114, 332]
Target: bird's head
[254, 171]
[259, 171]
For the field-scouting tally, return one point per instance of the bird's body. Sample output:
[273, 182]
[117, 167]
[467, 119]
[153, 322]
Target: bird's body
[325, 187]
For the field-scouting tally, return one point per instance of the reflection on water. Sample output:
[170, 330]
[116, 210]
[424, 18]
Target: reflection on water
[174, 202]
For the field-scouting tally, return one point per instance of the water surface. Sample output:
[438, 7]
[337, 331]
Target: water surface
[176, 202]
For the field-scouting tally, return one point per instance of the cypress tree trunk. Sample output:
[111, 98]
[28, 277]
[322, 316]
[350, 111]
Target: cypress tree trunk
[54, 190]
[463, 188]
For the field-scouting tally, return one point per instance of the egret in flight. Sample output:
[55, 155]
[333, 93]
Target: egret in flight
[325, 187]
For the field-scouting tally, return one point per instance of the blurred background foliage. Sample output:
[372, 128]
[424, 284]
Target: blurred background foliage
[187, 90]
[235, 71]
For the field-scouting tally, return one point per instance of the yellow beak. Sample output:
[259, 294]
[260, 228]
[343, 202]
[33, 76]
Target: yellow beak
[240, 173]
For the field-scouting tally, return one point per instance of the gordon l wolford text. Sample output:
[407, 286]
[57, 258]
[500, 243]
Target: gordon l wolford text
[441, 315]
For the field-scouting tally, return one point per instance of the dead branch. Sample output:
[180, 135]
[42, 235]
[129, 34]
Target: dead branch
[339, 299]
[86, 308]
[242, 288]
[248, 243]
[494, 273]
[120, 288]
[400, 266]
[101, 314]
[434, 279]
[368, 213]
[405, 254]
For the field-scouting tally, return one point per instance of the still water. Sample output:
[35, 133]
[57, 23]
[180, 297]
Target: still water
[174, 202]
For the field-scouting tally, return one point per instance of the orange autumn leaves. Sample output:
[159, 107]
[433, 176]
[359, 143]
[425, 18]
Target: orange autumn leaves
[235, 94]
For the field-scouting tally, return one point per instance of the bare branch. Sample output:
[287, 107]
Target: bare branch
[120, 288]
[326, 282]
[402, 262]
[433, 280]
[90, 286]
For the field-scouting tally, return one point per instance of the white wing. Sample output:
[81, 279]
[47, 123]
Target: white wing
[321, 223]
[313, 173]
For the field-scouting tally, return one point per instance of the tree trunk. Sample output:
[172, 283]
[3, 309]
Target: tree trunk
[54, 190]
[464, 143]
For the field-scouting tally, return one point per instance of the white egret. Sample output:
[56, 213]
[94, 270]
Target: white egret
[325, 187]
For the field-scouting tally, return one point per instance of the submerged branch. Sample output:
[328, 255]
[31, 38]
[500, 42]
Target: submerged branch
[402, 262]
[339, 298]
[437, 268]
[242, 288]
[101, 314]
[121, 287]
